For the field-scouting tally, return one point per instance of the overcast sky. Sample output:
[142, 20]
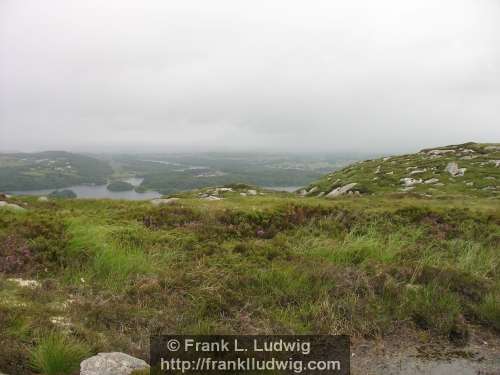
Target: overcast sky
[95, 75]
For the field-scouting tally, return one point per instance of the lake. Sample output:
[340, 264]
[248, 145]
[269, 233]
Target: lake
[97, 192]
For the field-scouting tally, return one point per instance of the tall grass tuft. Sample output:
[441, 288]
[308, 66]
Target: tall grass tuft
[57, 354]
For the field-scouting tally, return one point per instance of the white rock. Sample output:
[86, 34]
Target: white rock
[431, 181]
[253, 192]
[25, 283]
[223, 190]
[212, 198]
[313, 189]
[439, 152]
[496, 162]
[61, 321]
[416, 171]
[43, 199]
[470, 183]
[407, 181]
[111, 364]
[243, 194]
[377, 170]
[162, 201]
[341, 190]
[390, 173]
[320, 194]
[452, 168]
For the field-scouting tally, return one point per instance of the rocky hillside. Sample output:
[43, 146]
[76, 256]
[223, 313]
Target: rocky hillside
[471, 168]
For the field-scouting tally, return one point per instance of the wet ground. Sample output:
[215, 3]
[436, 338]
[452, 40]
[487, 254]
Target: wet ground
[420, 356]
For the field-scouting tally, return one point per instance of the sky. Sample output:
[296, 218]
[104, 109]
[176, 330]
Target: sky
[233, 75]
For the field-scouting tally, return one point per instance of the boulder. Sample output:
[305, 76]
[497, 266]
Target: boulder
[452, 168]
[416, 171]
[43, 199]
[313, 190]
[162, 201]
[212, 198]
[252, 192]
[431, 181]
[114, 363]
[11, 206]
[407, 181]
[341, 190]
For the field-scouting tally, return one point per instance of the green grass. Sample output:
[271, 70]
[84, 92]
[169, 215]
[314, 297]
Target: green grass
[57, 354]
[270, 264]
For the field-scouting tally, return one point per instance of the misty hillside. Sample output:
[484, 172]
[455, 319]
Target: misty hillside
[469, 168]
[50, 169]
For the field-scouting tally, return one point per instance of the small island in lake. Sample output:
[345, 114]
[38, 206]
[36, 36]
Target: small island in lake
[66, 193]
[120, 186]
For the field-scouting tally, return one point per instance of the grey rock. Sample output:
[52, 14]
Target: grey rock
[313, 189]
[11, 206]
[407, 181]
[452, 168]
[341, 190]
[431, 181]
[114, 363]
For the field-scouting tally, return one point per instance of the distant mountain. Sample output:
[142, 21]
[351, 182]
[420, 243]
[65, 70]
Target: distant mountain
[471, 168]
[50, 169]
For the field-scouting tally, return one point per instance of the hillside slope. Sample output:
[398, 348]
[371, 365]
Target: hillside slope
[470, 168]
[50, 169]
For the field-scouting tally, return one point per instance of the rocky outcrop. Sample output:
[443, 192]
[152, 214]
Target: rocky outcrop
[341, 190]
[111, 364]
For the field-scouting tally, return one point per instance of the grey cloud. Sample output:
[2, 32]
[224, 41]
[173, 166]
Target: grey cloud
[284, 75]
